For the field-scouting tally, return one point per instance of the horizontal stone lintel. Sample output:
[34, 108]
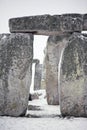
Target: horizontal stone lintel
[49, 24]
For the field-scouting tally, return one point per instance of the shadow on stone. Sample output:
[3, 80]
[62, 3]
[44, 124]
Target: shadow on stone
[43, 116]
[34, 108]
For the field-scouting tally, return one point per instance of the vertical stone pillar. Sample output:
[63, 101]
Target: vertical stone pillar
[16, 53]
[38, 75]
[73, 78]
[55, 45]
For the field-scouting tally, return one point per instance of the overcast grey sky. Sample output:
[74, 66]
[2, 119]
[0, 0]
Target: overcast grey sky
[18, 8]
[15, 8]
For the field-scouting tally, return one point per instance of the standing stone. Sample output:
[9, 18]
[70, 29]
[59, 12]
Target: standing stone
[73, 78]
[54, 47]
[16, 53]
[37, 76]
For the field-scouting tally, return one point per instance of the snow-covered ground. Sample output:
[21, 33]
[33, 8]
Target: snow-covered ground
[41, 108]
[46, 118]
[10, 123]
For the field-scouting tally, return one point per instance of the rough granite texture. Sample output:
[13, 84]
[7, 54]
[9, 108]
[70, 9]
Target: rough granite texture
[49, 24]
[54, 47]
[16, 53]
[73, 77]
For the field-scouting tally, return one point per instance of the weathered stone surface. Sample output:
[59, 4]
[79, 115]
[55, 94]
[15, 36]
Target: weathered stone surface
[37, 76]
[85, 22]
[73, 78]
[47, 24]
[72, 23]
[41, 24]
[16, 53]
[54, 47]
